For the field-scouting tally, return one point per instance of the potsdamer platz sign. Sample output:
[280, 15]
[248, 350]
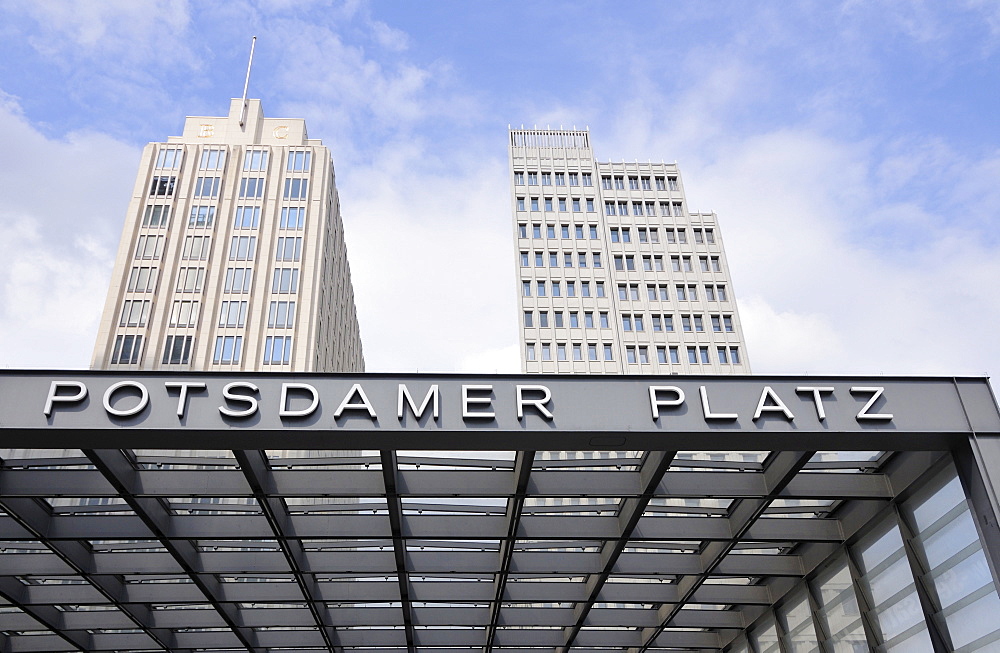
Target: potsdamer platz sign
[524, 514]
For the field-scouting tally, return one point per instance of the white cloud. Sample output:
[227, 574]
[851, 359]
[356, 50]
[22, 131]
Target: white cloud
[60, 229]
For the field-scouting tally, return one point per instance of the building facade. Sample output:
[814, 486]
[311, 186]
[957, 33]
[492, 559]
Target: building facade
[615, 274]
[232, 256]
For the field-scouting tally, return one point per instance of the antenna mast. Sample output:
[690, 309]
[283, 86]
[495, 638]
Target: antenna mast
[246, 85]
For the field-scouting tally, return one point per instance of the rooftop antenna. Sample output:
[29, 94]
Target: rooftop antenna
[246, 85]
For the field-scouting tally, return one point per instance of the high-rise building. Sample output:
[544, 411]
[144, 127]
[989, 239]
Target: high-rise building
[615, 274]
[232, 256]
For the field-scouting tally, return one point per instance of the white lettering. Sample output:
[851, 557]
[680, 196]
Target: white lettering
[777, 407]
[655, 402]
[183, 386]
[250, 401]
[128, 412]
[305, 412]
[537, 403]
[708, 409]
[348, 403]
[876, 393]
[817, 393]
[468, 401]
[55, 397]
[432, 395]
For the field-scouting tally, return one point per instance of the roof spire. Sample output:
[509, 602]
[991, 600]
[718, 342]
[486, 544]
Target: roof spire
[246, 85]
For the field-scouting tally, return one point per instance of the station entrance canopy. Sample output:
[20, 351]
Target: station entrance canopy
[523, 514]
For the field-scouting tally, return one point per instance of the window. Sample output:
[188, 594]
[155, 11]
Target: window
[299, 161]
[692, 355]
[525, 259]
[578, 231]
[619, 183]
[576, 205]
[277, 350]
[643, 355]
[645, 184]
[242, 248]
[609, 208]
[704, 263]
[638, 323]
[553, 259]
[674, 357]
[252, 187]
[673, 183]
[678, 209]
[622, 208]
[292, 217]
[599, 288]
[647, 263]
[190, 279]
[658, 263]
[593, 232]
[727, 323]
[656, 322]
[162, 186]
[568, 260]
[577, 352]
[541, 289]
[699, 324]
[539, 259]
[546, 351]
[526, 289]
[184, 313]
[710, 293]
[661, 355]
[592, 352]
[520, 204]
[710, 236]
[606, 182]
[206, 187]
[533, 178]
[636, 208]
[660, 184]
[548, 203]
[296, 189]
[546, 179]
[686, 323]
[734, 355]
[626, 235]
[227, 350]
[723, 358]
[605, 324]
[135, 312]
[668, 322]
[536, 231]
[212, 160]
[285, 280]
[619, 262]
[588, 319]
[626, 322]
[703, 355]
[247, 217]
[281, 315]
[149, 247]
[255, 160]
[654, 235]
[289, 249]
[529, 351]
[574, 179]
[519, 179]
[590, 205]
[582, 259]
[585, 289]
[196, 247]
[177, 350]
[156, 215]
[238, 280]
[699, 236]
[543, 319]
[574, 320]
[596, 258]
[556, 289]
[587, 181]
[665, 210]
[126, 351]
[717, 323]
[142, 280]
[561, 352]
[233, 314]
[630, 355]
[607, 353]
[720, 291]
[615, 235]
[534, 203]
[560, 179]
[528, 319]
[682, 293]
[633, 183]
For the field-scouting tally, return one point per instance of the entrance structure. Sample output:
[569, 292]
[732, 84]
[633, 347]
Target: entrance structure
[857, 514]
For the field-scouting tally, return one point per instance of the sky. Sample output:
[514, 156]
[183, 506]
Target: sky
[851, 150]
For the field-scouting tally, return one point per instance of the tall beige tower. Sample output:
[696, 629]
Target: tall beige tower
[615, 275]
[232, 256]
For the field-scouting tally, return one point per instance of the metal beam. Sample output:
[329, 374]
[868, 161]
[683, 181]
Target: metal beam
[392, 497]
[117, 465]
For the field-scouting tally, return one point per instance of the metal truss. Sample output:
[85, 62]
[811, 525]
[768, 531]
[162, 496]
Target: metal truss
[505, 552]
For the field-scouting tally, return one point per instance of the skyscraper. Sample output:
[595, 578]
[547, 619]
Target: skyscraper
[615, 274]
[232, 256]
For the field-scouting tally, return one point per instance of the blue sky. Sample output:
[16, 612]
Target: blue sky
[851, 149]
